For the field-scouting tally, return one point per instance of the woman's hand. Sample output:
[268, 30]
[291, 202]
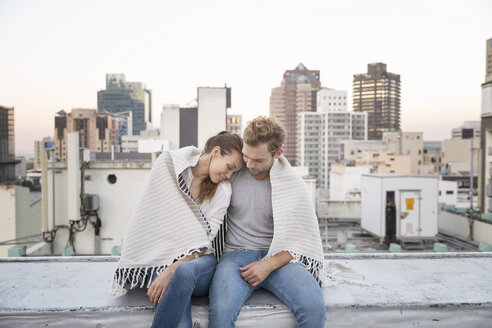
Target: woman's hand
[159, 286]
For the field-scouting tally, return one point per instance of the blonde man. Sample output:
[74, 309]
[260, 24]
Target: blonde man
[253, 258]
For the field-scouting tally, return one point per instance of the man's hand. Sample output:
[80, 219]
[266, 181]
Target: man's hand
[254, 273]
[159, 286]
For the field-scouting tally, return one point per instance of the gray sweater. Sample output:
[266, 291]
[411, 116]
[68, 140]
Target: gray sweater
[250, 214]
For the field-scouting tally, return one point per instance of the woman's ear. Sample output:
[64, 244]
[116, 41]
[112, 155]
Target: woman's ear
[216, 151]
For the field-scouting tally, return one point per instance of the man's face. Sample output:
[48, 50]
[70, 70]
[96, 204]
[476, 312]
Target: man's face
[259, 160]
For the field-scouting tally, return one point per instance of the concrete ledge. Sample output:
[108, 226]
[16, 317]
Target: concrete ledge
[425, 289]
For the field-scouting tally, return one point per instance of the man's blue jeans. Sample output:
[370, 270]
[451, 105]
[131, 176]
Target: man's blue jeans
[190, 278]
[292, 284]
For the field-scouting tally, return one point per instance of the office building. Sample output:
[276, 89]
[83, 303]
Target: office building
[392, 143]
[202, 119]
[121, 96]
[456, 156]
[431, 161]
[377, 92]
[320, 133]
[212, 112]
[385, 163]
[7, 145]
[98, 131]
[179, 125]
[296, 94]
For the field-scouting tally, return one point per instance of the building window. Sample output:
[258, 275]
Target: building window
[449, 192]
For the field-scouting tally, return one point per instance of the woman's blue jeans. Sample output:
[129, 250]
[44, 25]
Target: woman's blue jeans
[292, 284]
[190, 278]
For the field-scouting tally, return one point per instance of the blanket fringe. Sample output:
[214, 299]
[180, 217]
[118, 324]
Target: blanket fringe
[127, 278]
[326, 273]
[315, 267]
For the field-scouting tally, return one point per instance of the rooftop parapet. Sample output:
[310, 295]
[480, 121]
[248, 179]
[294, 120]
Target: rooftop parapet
[423, 289]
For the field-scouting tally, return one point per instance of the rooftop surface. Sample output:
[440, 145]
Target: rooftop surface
[422, 289]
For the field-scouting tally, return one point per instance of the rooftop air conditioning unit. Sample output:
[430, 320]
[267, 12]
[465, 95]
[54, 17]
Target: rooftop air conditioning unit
[90, 202]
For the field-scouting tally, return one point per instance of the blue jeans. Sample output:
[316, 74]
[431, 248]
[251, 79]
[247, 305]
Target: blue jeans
[190, 278]
[292, 284]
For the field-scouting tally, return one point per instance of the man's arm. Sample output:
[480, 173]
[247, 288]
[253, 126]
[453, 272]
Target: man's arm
[254, 273]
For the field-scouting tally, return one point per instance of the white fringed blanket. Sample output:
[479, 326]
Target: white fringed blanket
[296, 227]
[165, 225]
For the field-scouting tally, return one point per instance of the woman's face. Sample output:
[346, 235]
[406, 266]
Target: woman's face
[223, 166]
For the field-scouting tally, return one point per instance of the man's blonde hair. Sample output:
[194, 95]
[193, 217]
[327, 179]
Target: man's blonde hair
[264, 130]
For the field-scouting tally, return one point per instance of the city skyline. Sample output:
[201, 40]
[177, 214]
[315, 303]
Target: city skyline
[58, 54]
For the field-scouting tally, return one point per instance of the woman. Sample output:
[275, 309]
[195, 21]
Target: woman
[168, 246]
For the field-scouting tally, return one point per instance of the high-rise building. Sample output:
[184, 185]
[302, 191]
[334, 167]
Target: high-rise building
[98, 131]
[377, 92]
[193, 125]
[121, 96]
[485, 174]
[125, 125]
[234, 123]
[320, 133]
[212, 111]
[179, 125]
[7, 145]
[296, 94]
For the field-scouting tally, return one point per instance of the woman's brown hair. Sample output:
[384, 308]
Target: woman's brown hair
[228, 142]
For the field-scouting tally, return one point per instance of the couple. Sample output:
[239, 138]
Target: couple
[272, 239]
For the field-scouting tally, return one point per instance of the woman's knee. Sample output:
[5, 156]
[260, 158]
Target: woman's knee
[185, 272]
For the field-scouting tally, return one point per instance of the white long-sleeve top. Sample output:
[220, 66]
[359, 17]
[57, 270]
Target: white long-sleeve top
[213, 209]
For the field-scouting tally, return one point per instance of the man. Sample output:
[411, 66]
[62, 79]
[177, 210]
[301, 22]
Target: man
[272, 240]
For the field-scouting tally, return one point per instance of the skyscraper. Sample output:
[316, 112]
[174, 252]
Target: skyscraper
[212, 111]
[7, 145]
[179, 125]
[377, 92]
[320, 133]
[296, 94]
[200, 120]
[122, 96]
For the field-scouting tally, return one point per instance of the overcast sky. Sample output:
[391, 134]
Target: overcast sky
[55, 54]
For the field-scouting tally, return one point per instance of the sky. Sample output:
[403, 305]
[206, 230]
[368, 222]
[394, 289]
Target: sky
[55, 54]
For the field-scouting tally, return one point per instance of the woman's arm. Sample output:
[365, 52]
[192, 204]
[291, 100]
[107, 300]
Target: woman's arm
[160, 284]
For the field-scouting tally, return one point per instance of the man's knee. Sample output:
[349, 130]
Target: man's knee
[313, 311]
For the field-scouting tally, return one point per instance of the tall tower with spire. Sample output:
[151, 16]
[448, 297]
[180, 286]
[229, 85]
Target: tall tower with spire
[296, 94]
